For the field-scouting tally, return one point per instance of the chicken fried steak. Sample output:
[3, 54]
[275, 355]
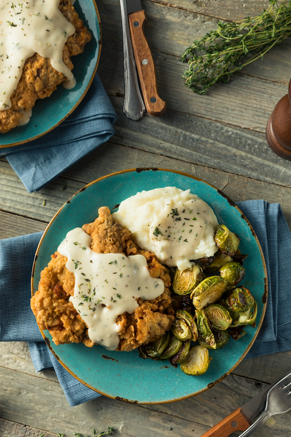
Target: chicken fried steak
[54, 311]
[39, 79]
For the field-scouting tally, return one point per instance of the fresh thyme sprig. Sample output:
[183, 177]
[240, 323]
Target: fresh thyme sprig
[226, 50]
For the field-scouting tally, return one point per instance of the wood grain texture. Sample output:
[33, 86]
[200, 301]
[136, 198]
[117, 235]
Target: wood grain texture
[11, 429]
[155, 106]
[230, 10]
[110, 158]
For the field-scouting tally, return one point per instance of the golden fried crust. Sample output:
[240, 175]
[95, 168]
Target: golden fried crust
[39, 79]
[54, 312]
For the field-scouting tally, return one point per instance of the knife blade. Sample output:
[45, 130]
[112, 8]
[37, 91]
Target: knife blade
[133, 105]
[241, 418]
[144, 60]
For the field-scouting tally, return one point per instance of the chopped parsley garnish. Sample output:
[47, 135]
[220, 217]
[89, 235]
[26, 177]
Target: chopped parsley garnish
[119, 296]
[157, 232]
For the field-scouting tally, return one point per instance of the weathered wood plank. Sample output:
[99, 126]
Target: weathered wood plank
[170, 30]
[15, 225]
[232, 10]
[42, 404]
[20, 394]
[15, 355]
[245, 101]
[11, 429]
[110, 158]
[201, 141]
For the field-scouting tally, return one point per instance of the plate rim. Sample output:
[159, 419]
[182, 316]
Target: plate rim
[264, 296]
[80, 99]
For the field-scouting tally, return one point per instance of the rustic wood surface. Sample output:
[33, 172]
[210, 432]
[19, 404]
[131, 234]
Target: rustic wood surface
[219, 138]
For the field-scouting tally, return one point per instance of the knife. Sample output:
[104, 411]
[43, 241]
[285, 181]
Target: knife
[144, 60]
[241, 418]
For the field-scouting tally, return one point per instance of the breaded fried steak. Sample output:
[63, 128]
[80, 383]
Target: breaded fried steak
[39, 79]
[53, 310]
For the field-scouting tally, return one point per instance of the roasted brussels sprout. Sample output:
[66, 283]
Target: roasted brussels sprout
[208, 291]
[197, 361]
[188, 318]
[221, 339]
[219, 260]
[172, 349]
[226, 240]
[218, 316]
[157, 347]
[242, 307]
[237, 333]
[204, 262]
[182, 330]
[186, 280]
[182, 354]
[232, 272]
[182, 302]
[204, 331]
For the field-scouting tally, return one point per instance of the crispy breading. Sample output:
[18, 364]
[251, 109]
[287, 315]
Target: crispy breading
[54, 312]
[39, 79]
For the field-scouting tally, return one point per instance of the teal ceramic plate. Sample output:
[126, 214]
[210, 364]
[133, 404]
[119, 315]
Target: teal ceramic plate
[50, 112]
[123, 374]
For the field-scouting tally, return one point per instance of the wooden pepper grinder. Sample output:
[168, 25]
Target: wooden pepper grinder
[279, 127]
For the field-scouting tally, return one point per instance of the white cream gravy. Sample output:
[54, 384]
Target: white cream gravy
[28, 27]
[106, 286]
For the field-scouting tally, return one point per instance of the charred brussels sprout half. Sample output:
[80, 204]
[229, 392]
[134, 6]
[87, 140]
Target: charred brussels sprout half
[182, 354]
[197, 361]
[157, 347]
[204, 331]
[242, 307]
[232, 272]
[185, 280]
[182, 302]
[221, 339]
[219, 260]
[208, 291]
[188, 318]
[182, 330]
[172, 349]
[218, 316]
[226, 240]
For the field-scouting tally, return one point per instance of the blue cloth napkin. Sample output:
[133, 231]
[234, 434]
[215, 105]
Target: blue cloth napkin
[91, 124]
[17, 322]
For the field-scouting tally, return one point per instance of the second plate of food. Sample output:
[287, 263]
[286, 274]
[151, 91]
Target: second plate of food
[125, 375]
[48, 113]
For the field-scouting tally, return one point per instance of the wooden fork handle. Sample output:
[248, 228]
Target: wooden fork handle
[236, 421]
[145, 65]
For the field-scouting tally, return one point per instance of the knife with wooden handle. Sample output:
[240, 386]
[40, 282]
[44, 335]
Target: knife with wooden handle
[144, 60]
[241, 418]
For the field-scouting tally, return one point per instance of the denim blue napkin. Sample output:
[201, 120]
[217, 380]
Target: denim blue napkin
[90, 125]
[17, 322]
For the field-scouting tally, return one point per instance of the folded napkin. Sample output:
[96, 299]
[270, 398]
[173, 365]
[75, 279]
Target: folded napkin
[91, 124]
[17, 322]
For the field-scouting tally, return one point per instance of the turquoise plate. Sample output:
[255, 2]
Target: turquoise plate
[123, 375]
[50, 112]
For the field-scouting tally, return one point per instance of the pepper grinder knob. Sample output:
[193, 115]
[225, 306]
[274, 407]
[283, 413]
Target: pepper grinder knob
[279, 127]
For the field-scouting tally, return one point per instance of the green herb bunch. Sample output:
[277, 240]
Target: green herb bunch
[226, 50]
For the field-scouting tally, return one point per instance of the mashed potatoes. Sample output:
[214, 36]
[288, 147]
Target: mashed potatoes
[174, 224]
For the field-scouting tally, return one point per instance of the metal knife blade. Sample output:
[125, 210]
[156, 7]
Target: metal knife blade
[143, 58]
[253, 407]
[133, 6]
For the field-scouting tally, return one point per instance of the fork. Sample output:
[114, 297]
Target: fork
[278, 401]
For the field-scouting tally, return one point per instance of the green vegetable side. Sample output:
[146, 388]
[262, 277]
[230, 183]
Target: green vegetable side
[210, 308]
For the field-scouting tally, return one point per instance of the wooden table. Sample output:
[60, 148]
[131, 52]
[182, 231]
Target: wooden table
[220, 138]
